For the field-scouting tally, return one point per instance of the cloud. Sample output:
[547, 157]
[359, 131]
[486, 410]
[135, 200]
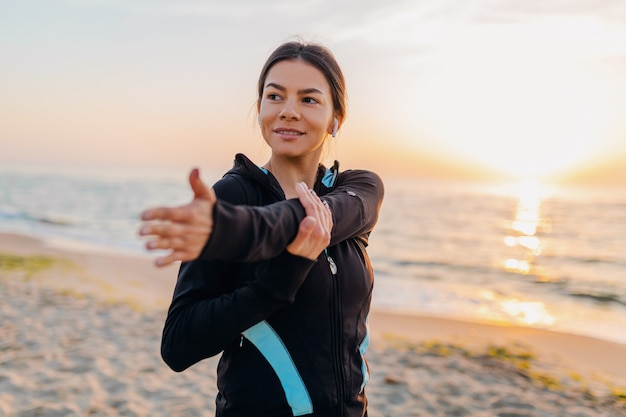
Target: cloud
[453, 30]
[512, 10]
[231, 10]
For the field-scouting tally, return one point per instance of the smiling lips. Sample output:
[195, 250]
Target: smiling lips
[288, 132]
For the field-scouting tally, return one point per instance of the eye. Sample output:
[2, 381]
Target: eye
[273, 97]
[310, 100]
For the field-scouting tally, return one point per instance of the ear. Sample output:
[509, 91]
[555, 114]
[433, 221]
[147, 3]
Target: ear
[335, 126]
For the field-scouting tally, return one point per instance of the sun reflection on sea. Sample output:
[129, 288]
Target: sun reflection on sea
[523, 237]
[516, 311]
[524, 228]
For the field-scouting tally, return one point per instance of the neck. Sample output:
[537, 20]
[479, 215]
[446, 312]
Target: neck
[289, 172]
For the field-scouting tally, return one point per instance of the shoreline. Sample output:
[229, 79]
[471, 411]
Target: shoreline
[588, 355]
[132, 279]
[80, 335]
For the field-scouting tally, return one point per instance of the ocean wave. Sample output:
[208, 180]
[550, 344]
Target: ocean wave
[57, 221]
[602, 298]
[9, 214]
[429, 270]
[405, 263]
[609, 259]
[596, 260]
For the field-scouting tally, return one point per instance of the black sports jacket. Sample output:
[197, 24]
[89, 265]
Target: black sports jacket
[293, 331]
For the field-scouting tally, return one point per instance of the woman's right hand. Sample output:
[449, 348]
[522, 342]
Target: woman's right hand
[315, 229]
[184, 230]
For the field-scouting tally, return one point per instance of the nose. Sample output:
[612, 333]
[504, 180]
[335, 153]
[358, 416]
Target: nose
[289, 111]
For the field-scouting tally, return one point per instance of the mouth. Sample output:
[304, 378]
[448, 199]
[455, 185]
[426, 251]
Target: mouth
[288, 132]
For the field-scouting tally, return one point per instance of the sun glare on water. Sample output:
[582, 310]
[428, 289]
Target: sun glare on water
[524, 234]
[524, 228]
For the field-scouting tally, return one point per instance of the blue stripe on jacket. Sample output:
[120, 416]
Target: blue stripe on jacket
[267, 341]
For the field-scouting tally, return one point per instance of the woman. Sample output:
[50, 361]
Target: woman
[281, 283]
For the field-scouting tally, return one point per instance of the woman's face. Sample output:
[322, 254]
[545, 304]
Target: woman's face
[296, 109]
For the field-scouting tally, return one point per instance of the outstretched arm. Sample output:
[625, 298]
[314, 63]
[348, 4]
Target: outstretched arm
[264, 232]
[207, 313]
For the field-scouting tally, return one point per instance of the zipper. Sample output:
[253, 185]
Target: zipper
[331, 263]
[336, 331]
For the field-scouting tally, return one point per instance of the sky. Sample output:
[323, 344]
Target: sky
[438, 88]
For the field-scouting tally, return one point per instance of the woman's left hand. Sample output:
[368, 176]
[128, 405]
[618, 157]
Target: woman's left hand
[315, 229]
[182, 230]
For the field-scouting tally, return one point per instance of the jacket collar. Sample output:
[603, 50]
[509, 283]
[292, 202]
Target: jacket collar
[325, 182]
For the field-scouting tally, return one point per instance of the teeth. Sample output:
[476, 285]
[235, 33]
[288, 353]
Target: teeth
[288, 132]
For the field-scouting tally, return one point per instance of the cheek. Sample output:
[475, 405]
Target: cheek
[264, 129]
[262, 119]
[326, 124]
[266, 114]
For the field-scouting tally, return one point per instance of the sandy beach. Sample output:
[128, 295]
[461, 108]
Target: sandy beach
[80, 334]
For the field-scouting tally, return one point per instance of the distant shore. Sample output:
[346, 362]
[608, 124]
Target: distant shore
[80, 336]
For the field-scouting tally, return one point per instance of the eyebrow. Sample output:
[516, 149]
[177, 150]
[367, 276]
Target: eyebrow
[300, 92]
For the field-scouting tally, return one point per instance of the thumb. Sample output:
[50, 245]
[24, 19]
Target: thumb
[308, 224]
[199, 188]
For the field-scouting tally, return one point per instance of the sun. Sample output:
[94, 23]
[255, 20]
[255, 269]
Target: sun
[522, 118]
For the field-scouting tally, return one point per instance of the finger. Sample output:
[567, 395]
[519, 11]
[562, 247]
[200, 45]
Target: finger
[309, 200]
[308, 224]
[322, 211]
[149, 229]
[162, 261]
[156, 213]
[305, 230]
[155, 229]
[315, 207]
[305, 194]
[166, 243]
[174, 256]
[153, 244]
[323, 229]
[199, 188]
[324, 215]
[177, 214]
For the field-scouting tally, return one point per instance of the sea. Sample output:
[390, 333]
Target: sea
[529, 254]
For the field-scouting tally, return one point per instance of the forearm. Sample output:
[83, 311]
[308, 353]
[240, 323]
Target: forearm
[355, 204]
[248, 234]
[200, 325]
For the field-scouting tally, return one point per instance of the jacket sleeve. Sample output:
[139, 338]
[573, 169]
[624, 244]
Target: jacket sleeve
[211, 308]
[248, 234]
[206, 316]
[355, 204]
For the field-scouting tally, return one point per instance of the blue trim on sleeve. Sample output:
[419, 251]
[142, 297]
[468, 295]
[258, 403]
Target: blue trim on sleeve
[265, 339]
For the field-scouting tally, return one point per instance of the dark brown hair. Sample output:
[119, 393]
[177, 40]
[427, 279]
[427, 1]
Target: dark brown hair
[321, 58]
